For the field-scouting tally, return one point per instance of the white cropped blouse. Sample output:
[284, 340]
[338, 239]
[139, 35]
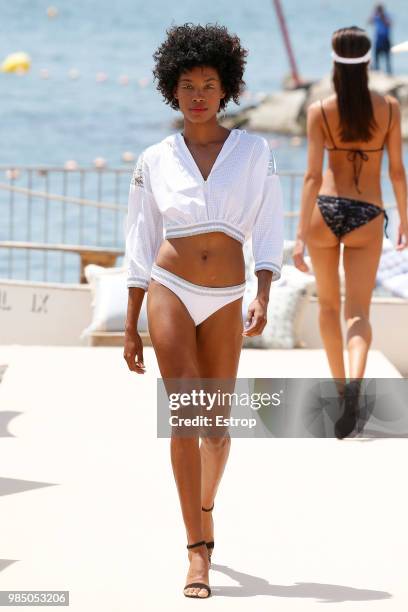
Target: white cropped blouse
[169, 198]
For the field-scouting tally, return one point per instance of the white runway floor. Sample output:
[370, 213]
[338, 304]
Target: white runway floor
[89, 504]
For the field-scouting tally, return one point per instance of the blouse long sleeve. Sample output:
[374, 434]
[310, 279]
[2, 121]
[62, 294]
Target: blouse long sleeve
[267, 232]
[144, 228]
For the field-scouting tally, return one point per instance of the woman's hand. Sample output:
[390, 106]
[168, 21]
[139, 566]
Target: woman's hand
[256, 318]
[298, 255]
[402, 237]
[133, 352]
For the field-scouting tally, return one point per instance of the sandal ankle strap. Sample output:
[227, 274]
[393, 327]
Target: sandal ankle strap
[196, 544]
[207, 509]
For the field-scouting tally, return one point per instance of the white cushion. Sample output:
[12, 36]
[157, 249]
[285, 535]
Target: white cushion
[392, 263]
[398, 285]
[285, 312]
[292, 277]
[292, 292]
[109, 300]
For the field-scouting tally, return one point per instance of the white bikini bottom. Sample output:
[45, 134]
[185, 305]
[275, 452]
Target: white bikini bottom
[201, 302]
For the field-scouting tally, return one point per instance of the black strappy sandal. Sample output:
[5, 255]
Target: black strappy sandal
[209, 545]
[198, 585]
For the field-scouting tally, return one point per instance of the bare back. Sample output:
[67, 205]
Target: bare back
[354, 168]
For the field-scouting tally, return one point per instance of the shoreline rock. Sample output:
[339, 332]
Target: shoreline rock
[284, 112]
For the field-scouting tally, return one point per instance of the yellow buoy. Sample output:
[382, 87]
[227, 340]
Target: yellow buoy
[16, 62]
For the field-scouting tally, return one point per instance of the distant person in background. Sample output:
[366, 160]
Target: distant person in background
[345, 205]
[382, 43]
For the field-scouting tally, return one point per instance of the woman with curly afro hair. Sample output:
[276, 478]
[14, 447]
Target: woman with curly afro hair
[194, 199]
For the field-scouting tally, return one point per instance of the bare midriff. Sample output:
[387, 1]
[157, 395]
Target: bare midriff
[211, 260]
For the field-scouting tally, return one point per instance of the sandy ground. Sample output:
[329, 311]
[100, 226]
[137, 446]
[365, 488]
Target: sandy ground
[89, 503]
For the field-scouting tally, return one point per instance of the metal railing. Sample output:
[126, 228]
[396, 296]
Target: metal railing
[44, 210]
[54, 221]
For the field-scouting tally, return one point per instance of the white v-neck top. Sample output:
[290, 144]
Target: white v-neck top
[169, 198]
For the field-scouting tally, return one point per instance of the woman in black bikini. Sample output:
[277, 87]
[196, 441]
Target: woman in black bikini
[353, 125]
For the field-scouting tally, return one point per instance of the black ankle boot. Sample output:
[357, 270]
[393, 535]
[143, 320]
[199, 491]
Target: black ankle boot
[348, 420]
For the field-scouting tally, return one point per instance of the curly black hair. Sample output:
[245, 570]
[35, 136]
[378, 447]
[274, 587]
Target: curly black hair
[190, 45]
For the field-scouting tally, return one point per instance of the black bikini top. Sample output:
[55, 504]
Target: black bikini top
[356, 156]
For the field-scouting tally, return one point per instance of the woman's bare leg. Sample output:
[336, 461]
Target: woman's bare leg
[362, 251]
[173, 335]
[324, 250]
[219, 340]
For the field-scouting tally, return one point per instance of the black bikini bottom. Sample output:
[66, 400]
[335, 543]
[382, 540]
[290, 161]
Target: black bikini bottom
[343, 215]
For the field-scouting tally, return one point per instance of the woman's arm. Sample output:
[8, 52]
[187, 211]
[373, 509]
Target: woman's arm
[267, 248]
[144, 234]
[397, 172]
[144, 228]
[311, 183]
[133, 345]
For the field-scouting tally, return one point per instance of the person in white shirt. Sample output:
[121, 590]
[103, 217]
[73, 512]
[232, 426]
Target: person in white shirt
[194, 199]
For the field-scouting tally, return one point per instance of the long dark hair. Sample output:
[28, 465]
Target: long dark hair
[350, 81]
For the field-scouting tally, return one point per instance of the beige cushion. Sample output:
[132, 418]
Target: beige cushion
[284, 318]
[109, 300]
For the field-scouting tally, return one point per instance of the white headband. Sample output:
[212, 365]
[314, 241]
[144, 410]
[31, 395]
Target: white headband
[351, 60]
